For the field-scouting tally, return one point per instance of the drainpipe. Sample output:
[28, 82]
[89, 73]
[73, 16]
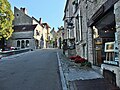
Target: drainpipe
[87, 27]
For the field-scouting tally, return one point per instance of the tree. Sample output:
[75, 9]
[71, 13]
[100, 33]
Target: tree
[6, 18]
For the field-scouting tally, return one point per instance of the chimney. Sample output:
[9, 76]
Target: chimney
[40, 21]
[24, 10]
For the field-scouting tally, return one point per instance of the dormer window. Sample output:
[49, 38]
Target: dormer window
[17, 15]
[75, 2]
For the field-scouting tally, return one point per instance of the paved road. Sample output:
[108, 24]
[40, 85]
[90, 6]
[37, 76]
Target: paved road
[36, 70]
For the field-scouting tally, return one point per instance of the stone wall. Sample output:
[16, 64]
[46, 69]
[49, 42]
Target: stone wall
[113, 69]
[22, 36]
[117, 18]
[21, 18]
[90, 45]
[27, 34]
[31, 43]
[94, 6]
[68, 13]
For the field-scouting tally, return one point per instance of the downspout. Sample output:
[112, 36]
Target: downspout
[87, 27]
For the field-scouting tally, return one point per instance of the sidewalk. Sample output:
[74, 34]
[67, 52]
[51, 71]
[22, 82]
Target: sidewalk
[83, 78]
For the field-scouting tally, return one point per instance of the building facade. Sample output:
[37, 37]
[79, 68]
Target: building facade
[53, 38]
[46, 34]
[23, 37]
[24, 31]
[69, 32]
[60, 37]
[103, 28]
[96, 24]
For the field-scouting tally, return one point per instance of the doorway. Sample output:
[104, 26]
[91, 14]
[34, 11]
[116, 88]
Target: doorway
[103, 31]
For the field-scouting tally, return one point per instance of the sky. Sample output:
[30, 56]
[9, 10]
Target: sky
[51, 11]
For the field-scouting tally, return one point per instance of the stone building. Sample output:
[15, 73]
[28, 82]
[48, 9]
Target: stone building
[80, 29]
[46, 34]
[60, 37]
[23, 36]
[96, 23]
[69, 33]
[102, 19]
[28, 29]
[53, 38]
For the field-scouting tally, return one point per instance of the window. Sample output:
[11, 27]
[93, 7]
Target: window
[17, 14]
[84, 50]
[41, 37]
[75, 3]
[37, 32]
[27, 43]
[77, 29]
[18, 43]
[22, 44]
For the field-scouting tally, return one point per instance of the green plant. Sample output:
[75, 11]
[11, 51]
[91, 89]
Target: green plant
[88, 64]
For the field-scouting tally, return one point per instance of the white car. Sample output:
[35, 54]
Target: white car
[0, 50]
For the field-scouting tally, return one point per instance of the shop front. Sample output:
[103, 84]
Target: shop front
[103, 27]
[103, 31]
[105, 43]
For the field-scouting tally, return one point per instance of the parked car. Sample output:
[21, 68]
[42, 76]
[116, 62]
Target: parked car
[14, 48]
[0, 50]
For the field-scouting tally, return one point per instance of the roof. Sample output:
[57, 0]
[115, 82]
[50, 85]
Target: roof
[21, 28]
[15, 8]
[37, 21]
[66, 5]
[52, 31]
[46, 25]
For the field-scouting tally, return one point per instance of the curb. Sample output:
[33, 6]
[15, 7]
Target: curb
[13, 56]
[63, 81]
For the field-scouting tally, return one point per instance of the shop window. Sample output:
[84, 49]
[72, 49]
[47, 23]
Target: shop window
[18, 43]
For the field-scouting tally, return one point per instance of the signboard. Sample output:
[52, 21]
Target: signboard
[109, 46]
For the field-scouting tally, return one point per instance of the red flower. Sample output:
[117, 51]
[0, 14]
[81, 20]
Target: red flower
[80, 60]
[74, 57]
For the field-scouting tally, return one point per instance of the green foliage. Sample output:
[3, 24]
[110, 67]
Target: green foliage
[6, 18]
[51, 41]
[88, 64]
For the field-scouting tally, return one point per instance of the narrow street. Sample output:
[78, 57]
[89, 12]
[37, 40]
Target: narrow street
[35, 70]
[78, 50]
